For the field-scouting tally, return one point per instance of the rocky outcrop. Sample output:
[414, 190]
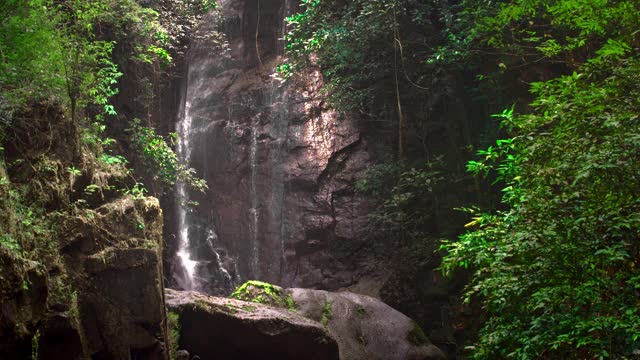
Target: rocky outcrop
[228, 329]
[282, 168]
[365, 327]
[103, 304]
[80, 255]
[114, 255]
[280, 164]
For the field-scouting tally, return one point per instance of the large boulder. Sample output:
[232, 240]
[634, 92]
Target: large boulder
[364, 327]
[122, 312]
[229, 329]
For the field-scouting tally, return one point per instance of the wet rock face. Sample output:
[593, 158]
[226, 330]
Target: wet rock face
[227, 329]
[280, 164]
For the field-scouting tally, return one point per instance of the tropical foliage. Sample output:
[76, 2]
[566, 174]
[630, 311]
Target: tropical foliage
[556, 264]
[71, 52]
[163, 160]
[556, 268]
[60, 67]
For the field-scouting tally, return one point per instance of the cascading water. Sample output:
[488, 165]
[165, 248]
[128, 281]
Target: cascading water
[233, 129]
[275, 99]
[198, 253]
[184, 154]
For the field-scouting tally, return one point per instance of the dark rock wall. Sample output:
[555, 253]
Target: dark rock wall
[23, 307]
[116, 267]
[281, 166]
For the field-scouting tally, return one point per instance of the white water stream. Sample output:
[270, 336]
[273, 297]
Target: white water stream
[184, 154]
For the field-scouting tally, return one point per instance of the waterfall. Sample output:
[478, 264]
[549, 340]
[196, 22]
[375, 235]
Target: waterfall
[201, 259]
[266, 193]
[184, 154]
[232, 132]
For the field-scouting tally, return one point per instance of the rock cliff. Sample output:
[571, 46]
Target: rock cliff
[80, 261]
[280, 164]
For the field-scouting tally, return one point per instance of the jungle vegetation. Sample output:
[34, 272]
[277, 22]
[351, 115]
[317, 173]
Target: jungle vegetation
[61, 68]
[556, 262]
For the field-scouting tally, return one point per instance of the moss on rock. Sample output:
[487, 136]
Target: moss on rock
[173, 322]
[327, 313]
[264, 293]
[416, 336]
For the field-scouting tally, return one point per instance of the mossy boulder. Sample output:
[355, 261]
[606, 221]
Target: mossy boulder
[221, 328]
[121, 297]
[117, 248]
[364, 327]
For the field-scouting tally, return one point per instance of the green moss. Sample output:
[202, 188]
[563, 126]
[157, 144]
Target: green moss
[173, 322]
[416, 336]
[291, 304]
[262, 293]
[327, 313]
[245, 289]
[362, 339]
[232, 308]
[249, 308]
[201, 304]
[35, 343]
